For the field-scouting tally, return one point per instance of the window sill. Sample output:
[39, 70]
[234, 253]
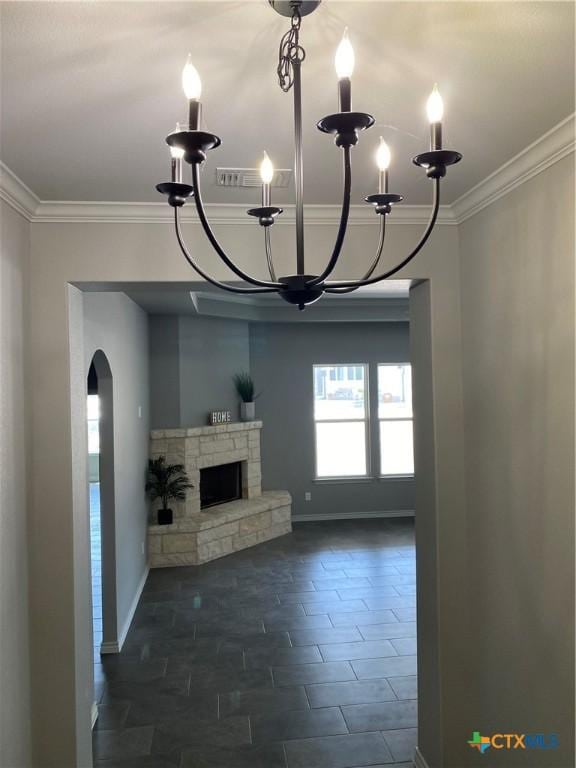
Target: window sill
[384, 478]
[331, 480]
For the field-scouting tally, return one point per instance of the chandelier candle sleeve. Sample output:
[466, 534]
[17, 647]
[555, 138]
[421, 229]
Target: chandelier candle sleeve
[192, 86]
[435, 110]
[176, 154]
[344, 63]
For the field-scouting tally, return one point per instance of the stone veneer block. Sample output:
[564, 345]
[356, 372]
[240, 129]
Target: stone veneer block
[220, 530]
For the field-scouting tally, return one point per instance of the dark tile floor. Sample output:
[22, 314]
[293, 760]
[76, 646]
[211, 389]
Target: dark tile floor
[298, 653]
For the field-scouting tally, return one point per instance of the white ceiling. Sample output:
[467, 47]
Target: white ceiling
[90, 89]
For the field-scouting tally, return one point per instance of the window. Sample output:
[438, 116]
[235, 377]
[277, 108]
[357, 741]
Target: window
[341, 420]
[395, 419]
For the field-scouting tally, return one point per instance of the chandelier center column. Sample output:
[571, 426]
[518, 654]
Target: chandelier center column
[298, 165]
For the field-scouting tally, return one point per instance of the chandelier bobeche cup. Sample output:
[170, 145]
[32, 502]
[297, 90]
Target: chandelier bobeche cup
[191, 145]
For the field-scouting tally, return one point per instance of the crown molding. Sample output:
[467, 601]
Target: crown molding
[221, 214]
[554, 145]
[14, 192]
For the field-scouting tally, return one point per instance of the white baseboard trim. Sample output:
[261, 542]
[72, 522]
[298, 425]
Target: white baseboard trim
[352, 515]
[115, 646]
[419, 761]
[94, 714]
[132, 609]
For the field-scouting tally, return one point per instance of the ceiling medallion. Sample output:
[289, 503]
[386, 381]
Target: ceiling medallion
[191, 144]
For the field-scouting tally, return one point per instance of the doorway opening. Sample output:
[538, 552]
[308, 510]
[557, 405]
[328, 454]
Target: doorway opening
[100, 411]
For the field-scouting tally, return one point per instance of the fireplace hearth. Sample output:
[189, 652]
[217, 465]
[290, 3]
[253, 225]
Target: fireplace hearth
[220, 484]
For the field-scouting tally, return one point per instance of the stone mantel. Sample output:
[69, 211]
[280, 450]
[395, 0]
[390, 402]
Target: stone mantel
[197, 536]
[218, 429]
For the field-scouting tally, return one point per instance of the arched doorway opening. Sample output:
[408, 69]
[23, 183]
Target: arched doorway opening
[100, 409]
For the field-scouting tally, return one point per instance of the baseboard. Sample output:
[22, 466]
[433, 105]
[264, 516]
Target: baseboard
[419, 761]
[94, 714]
[352, 515]
[115, 646]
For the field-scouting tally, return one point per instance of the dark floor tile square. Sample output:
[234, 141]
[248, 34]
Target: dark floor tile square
[405, 646]
[397, 666]
[112, 717]
[383, 716]
[402, 743]
[328, 672]
[143, 690]
[389, 631]
[405, 614]
[359, 593]
[262, 701]
[324, 636]
[379, 603]
[361, 619]
[163, 707]
[335, 606]
[173, 736]
[258, 658]
[303, 622]
[368, 649]
[405, 687]
[119, 670]
[310, 597]
[124, 743]
[355, 692]
[352, 751]
[300, 724]
[395, 580]
[349, 582]
[257, 641]
[265, 756]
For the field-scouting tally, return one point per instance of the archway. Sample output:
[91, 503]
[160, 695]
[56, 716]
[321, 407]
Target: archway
[102, 510]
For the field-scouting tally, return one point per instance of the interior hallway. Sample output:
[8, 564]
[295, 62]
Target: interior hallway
[298, 653]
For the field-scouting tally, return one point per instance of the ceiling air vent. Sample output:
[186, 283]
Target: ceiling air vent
[250, 177]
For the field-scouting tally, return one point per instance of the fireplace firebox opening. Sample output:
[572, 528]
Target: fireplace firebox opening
[220, 484]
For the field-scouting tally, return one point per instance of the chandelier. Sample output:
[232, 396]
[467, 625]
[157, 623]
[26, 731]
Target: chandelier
[190, 144]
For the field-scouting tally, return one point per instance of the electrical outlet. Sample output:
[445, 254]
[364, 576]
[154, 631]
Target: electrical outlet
[139, 411]
[142, 545]
[307, 496]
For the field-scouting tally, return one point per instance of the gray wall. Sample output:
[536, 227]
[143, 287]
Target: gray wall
[205, 353]
[517, 282]
[281, 360]
[117, 326]
[14, 651]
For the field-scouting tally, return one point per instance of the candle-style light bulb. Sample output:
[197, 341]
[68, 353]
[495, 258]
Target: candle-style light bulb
[192, 86]
[383, 158]
[266, 174]
[266, 169]
[191, 82]
[435, 111]
[344, 59]
[344, 63]
[176, 154]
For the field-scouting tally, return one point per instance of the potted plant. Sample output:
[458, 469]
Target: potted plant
[166, 481]
[245, 388]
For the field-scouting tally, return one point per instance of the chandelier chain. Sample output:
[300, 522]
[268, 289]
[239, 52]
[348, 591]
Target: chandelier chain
[290, 51]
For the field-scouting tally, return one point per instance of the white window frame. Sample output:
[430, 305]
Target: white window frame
[397, 419]
[366, 421]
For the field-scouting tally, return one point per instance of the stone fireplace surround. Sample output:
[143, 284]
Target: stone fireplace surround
[197, 536]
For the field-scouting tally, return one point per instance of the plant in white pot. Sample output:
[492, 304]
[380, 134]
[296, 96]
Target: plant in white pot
[245, 388]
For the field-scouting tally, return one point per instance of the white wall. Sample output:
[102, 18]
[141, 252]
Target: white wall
[14, 651]
[517, 262]
[118, 327]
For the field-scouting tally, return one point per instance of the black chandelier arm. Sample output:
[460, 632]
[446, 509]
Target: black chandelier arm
[214, 242]
[374, 264]
[343, 223]
[404, 262]
[205, 275]
[268, 248]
